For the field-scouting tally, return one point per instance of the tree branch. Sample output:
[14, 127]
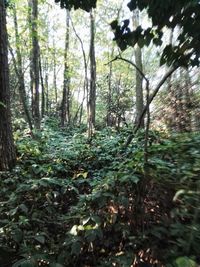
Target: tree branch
[151, 98]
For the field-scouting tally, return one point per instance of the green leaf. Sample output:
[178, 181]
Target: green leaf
[90, 235]
[17, 235]
[24, 208]
[185, 262]
[96, 219]
[25, 263]
[114, 24]
[40, 239]
[76, 248]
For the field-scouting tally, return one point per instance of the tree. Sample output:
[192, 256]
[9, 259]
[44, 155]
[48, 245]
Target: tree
[7, 150]
[92, 89]
[139, 78]
[19, 70]
[183, 13]
[33, 4]
[65, 107]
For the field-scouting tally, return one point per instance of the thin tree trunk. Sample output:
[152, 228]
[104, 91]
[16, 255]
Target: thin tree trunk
[54, 73]
[19, 71]
[7, 150]
[35, 62]
[22, 90]
[139, 78]
[188, 102]
[65, 108]
[109, 97]
[46, 85]
[86, 83]
[92, 92]
[31, 56]
[118, 113]
[151, 98]
[43, 88]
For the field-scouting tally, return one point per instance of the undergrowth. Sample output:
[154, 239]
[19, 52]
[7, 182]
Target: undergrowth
[70, 202]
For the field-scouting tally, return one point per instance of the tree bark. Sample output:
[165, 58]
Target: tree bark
[42, 87]
[86, 83]
[19, 71]
[139, 78]
[54, 73]
[7, 150]
[35, 63]
[92, 89]
[65, 108]
[109, 96]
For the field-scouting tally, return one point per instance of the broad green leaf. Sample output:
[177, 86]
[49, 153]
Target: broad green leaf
[185, 262]
[40, 239]
[76, 248]
[25, 263]
[17, 235]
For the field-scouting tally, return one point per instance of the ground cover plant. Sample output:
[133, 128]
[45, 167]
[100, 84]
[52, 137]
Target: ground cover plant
[70, 202]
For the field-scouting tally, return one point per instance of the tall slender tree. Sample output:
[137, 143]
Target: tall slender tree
[7, 150]
[55, 72]
[19, 70]
[65, 108]
[139, 78]
[42, 87]
[33, 5]
[92, 89]
[109, 95]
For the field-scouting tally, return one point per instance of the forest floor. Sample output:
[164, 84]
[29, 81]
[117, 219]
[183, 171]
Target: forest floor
[70, 202]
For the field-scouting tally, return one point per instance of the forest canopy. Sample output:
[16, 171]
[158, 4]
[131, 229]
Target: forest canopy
[182, 14]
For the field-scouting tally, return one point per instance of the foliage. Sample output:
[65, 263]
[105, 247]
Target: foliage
[183, 14]
[85, 5]
[172, 14]
[73, 203]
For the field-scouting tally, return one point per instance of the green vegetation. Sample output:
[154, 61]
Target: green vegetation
[99, 140]
[70, 202]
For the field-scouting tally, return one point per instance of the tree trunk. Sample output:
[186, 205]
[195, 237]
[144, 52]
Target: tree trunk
[43, 88]
[65, 108]
[86, 83]
[139, 78]
[35, 63]
[46, 85]
[109, 96]
[54, 73]
[20, 73]
[188, 102]
[92, 89]
[7, 151]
